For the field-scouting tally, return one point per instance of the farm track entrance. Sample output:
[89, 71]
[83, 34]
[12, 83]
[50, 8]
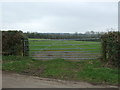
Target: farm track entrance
[48, 49]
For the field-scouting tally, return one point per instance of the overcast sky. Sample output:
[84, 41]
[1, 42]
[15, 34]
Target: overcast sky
[59, 17]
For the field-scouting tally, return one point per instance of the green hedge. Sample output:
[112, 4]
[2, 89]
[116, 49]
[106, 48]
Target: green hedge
[111, 48]
[13, 43]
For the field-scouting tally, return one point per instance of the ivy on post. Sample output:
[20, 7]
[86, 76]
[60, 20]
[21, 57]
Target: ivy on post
[25, 47]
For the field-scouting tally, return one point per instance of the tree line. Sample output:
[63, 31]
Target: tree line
[87, 35]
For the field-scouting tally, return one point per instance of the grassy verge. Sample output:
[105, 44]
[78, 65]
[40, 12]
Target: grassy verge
[90, 71]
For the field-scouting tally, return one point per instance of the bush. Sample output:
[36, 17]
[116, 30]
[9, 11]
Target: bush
[111, 48]
[13, 43]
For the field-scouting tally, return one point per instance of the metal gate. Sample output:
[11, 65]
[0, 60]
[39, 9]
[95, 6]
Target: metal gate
[69, 49]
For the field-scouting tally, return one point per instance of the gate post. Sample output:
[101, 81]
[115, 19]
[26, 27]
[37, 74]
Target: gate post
[25, 47]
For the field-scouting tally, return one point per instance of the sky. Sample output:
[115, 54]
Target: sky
[59, 17]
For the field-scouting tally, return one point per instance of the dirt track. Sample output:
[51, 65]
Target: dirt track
[11, 80]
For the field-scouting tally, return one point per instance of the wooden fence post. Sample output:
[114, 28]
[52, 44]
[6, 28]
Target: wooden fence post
[25, 47]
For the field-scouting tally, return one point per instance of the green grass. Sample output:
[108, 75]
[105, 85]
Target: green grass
[61, 44]
[35, 39]
[86, 70]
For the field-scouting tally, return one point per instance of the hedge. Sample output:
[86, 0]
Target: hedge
[13, 43]
[111, 48]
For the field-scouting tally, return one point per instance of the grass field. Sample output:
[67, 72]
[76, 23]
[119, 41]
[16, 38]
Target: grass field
[83, 47]
[51, 44]
[90, 71]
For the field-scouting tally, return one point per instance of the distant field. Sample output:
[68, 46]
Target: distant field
[52, 44]
[64, 45]
[36, 39]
